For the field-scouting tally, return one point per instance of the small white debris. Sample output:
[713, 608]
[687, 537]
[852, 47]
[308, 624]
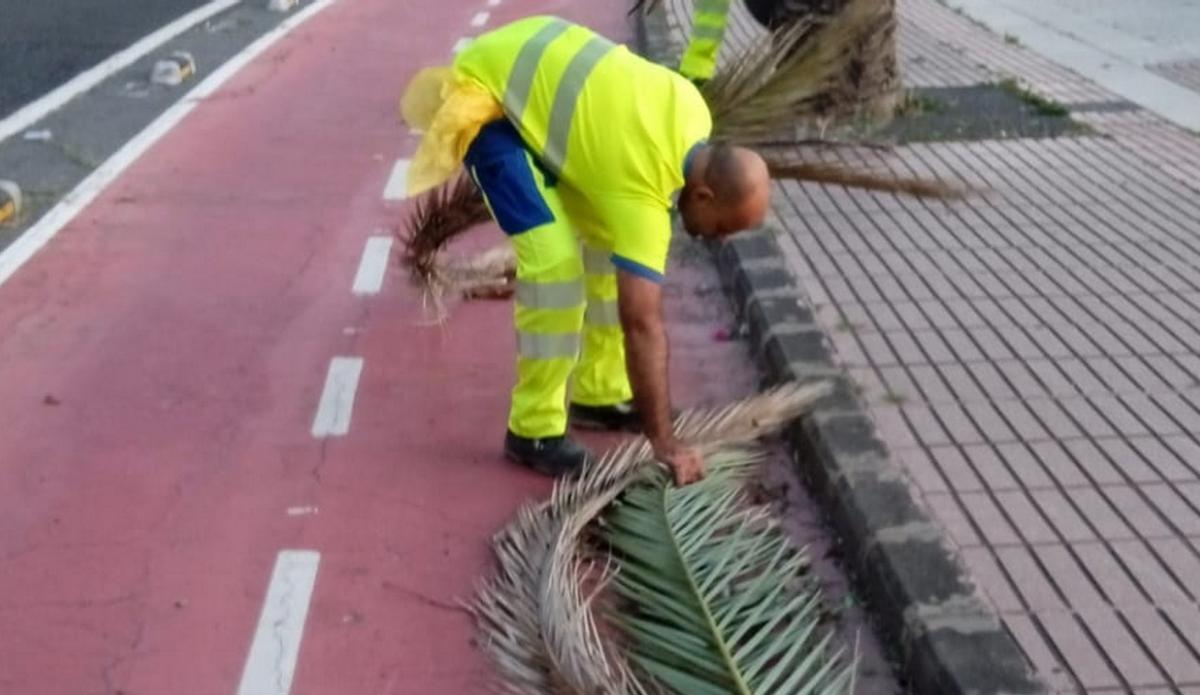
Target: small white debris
[43, 135]
[172, 71]
[138, 89]
[220, 25]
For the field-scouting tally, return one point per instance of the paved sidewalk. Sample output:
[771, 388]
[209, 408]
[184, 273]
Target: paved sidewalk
[1032, 356]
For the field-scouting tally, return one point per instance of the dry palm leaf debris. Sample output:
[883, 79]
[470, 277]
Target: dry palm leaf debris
[622, 583]
[437, 218]
[796, 73]
[832, 174]
[785, 75]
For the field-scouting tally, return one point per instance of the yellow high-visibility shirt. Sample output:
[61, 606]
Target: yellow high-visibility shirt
[615, 128]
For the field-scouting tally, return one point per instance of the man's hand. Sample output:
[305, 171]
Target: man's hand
[685, 462]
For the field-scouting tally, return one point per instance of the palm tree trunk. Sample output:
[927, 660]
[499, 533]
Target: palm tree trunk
[870, 87]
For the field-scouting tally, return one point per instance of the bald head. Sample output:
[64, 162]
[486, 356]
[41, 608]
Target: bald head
[728, 190]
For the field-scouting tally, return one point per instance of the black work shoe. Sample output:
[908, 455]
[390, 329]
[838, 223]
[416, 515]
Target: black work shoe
[555, 456]
[620, 416]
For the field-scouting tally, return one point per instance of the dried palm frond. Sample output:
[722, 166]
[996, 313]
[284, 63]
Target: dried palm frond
[823, 172]
[536, 619]
[438, 217]
[785, 74]
[715, 599]
[490, 274]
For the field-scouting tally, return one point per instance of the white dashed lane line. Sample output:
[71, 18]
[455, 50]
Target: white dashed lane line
[480, 19]
[397, 183]
[373, 266]
[337, 399]
[271, 663]
[461, 44]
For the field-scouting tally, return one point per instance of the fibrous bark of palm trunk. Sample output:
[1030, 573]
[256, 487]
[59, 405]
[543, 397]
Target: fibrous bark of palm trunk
[870, 86]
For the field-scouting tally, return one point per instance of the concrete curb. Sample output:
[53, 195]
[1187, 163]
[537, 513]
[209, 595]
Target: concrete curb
[945, 638]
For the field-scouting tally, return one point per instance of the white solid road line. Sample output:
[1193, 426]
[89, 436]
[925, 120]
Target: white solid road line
[480, 19]
[461, 44]
[337, 398]
[271, 663]
[493, 3]
[397, 183]
[373, 266]
[34, 238]
[33, 112]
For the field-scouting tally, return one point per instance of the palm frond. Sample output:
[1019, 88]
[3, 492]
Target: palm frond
[489, 274]
[535, 617]
[716, 599]
[644, 6]
[823, 172]
[784, 75]
[437, 217]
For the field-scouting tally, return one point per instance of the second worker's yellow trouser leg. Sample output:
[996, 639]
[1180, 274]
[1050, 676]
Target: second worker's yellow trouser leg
[709, 18]
[600, 376]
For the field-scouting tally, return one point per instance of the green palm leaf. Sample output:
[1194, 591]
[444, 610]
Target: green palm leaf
[715, 595]
[535, 615]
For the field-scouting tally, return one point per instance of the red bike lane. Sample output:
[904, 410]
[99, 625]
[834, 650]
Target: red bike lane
[161, 361]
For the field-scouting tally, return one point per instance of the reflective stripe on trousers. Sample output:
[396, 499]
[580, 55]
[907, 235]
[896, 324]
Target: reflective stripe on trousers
[547, 346]
[550, 295]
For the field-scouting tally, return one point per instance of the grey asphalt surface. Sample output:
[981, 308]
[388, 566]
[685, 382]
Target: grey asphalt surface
[87, 130]
[44, 43]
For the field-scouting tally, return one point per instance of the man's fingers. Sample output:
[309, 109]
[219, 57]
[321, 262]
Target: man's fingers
[689, 473]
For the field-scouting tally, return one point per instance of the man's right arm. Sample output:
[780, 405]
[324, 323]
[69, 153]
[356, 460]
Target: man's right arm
[646, 357]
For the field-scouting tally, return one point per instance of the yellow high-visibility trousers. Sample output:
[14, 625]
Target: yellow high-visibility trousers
[565, 305]
[709, 19]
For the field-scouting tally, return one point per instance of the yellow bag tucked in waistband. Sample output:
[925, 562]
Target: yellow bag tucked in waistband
[451, 109]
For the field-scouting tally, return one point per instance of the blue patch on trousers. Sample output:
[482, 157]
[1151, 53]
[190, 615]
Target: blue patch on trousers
[499, 162]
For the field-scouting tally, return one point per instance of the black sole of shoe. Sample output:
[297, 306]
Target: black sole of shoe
[543, 470]
[599, 426]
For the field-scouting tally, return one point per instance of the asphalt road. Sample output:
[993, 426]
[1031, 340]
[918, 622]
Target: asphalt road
[44, 43]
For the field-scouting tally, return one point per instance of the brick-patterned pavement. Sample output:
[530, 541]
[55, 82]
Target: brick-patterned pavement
[1032, 356]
